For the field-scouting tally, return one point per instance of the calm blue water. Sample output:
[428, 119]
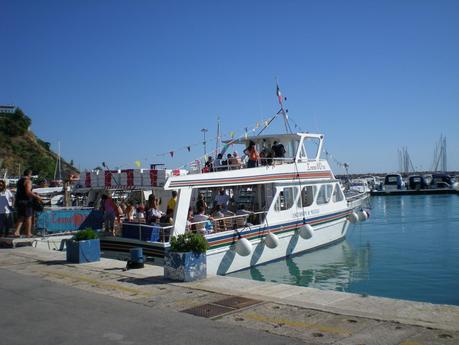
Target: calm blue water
[408, 249]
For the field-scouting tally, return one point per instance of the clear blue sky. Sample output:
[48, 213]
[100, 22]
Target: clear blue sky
[120, 81]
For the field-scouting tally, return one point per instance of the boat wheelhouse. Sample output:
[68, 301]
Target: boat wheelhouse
[416, 182]
[289, 204]
[393, 182]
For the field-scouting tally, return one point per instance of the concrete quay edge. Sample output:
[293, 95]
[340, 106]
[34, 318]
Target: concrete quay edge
[442, 317]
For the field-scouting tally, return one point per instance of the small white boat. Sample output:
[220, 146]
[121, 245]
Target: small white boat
[359, 185]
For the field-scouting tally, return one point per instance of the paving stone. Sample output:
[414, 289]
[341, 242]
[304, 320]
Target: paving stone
[179, 299]
[385, 333]
[309, 325]
[433, 337]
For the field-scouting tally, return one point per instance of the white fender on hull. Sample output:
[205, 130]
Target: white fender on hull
[363, 216]
[271, 240]
[306, 231]
[456, 186]
[353, 217]
[243, 247]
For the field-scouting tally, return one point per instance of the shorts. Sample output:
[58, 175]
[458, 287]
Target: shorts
[6, 222]
[24, 210]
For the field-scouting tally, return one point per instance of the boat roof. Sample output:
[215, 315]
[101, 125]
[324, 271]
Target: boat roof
[271, 137]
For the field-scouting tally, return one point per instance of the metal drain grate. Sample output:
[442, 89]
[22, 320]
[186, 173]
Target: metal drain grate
[237, 302]
[208, 310]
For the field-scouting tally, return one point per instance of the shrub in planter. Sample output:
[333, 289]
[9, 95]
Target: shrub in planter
[186, 259]
[83, 247]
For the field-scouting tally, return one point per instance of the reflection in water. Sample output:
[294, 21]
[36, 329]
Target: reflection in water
[332, 268]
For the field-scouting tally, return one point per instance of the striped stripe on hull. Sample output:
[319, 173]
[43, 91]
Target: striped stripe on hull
[219, 241]
[252, 179]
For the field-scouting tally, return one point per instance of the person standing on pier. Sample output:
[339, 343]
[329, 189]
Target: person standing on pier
[6, 206]
[23, 203]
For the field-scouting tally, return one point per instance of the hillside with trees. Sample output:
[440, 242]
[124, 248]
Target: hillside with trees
[20, 148]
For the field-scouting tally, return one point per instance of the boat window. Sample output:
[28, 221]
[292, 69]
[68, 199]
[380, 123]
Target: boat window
[338, 194]
[285, 199]
[310, 148]
[325, 193]
[307, 196]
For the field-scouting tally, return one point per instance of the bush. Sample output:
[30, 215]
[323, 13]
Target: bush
[86, 234]
[189, 242]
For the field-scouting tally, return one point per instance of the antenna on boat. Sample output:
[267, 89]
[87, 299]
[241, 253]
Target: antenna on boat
[204, 143]
[282, 111]
[219, 137]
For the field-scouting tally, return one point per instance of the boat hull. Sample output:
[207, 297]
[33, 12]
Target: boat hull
[226, 259]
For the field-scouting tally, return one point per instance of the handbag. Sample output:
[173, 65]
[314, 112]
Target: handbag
[37, 205]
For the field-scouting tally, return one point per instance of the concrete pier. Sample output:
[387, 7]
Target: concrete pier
[305, 314]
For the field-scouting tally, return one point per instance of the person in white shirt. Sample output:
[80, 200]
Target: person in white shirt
[200, 220]
[6, 205]
[222, 199]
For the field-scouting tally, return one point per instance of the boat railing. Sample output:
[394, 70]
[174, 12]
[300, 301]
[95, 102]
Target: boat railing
[225, 223]
[152, 232]
[198, 169]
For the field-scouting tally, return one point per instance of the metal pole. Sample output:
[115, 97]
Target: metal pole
[204, 131]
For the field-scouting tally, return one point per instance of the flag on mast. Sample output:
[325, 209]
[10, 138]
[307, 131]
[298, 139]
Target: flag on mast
[279, 94]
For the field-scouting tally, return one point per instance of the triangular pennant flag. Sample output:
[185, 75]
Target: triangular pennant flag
[232, 134]
[171, 153]
[257, 125]
[138, 164]
[188, 148]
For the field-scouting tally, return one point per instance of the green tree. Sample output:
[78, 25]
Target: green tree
[14, 124]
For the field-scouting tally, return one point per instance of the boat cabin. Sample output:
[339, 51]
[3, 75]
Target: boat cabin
[393, 182]
[417, 182]
[441, 181]
[272, 150]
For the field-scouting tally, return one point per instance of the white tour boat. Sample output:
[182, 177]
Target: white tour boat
[285, 206]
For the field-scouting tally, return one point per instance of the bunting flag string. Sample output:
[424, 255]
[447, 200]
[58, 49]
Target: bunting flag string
[334, 160]
[263, 124]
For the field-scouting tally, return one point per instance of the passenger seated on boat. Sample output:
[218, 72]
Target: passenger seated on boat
[189, 219]
[235, 161]
[252, 154]
[154, 214]
[263, 159]
[266, 154]
[222, 199]
[217, 212]
[209, 166]
[225, 163]
[167, 218]
[229, 157]
[130, 211]
[200, 220]
[242, 214]
[218, 162]
[278, 150]
[140, 212]
[201, 202]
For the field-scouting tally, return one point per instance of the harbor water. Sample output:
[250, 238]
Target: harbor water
[408, 249]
